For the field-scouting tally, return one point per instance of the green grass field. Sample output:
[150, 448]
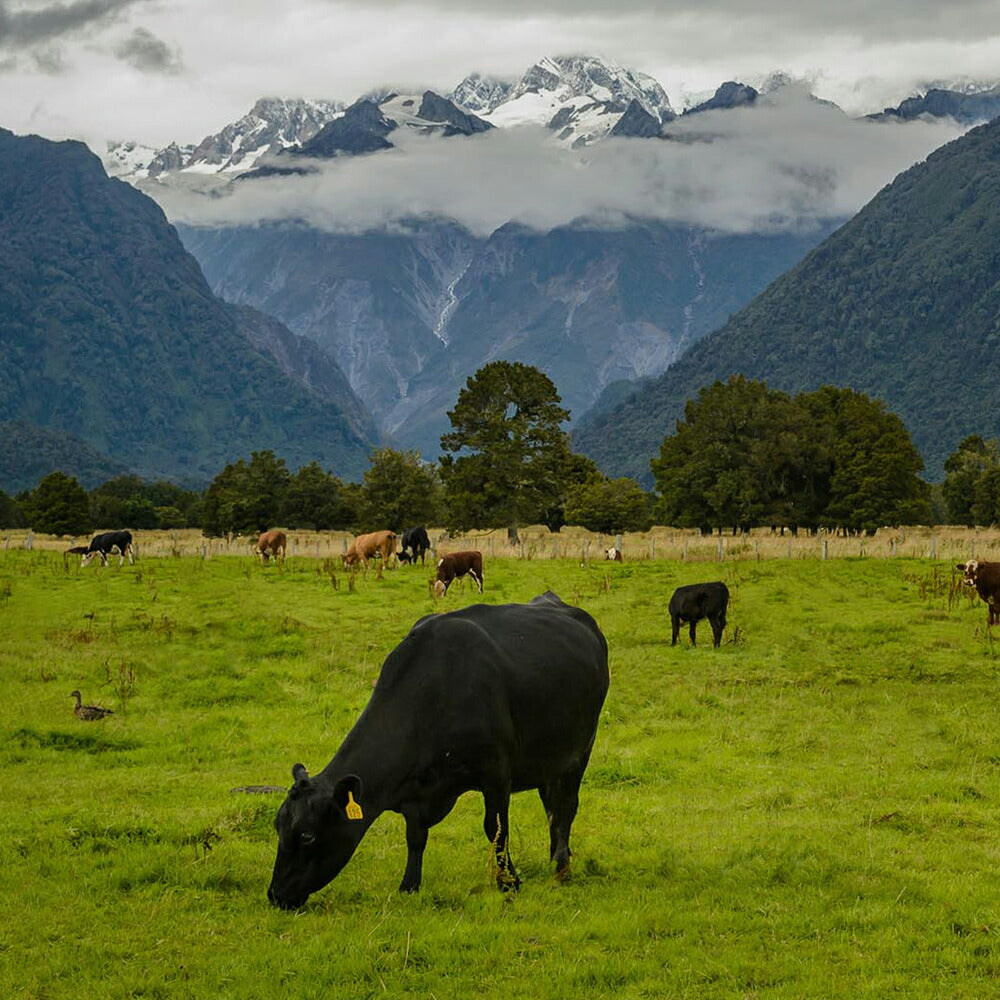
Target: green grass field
[809, 811]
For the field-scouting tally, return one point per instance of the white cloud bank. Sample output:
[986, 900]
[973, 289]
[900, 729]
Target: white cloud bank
[784, 166]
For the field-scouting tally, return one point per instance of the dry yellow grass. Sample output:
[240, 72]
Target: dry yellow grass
[949, 543]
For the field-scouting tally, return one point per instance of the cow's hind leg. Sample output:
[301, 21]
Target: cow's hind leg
[691, 628]
[718, 623]
[675, 624]
[561, 797]
[497, 830]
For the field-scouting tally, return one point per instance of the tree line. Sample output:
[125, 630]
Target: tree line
[742, 456]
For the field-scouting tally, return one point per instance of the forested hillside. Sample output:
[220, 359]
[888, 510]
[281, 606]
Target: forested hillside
[111, 333]
[901, 303]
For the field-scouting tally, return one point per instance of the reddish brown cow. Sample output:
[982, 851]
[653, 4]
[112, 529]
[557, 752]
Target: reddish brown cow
[614, 554]
[366, 547]
[985, 577]
[456, 564]
[271, 543]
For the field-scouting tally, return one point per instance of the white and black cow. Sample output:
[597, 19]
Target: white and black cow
[108, 542]
[492, 698]
[697, 601]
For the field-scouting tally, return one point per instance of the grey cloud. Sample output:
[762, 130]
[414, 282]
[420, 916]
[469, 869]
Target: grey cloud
[143, 50]
[31, 26]
[782, 167]
[930, 19]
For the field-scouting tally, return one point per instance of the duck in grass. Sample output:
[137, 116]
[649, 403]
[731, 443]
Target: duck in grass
[89, 713]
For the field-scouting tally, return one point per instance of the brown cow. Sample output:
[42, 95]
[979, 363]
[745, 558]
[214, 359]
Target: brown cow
[456, 564]
[365, 547]
[271, 543]
[985, 577]
[614, 554]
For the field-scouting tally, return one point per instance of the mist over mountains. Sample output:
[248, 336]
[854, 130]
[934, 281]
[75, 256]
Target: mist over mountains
[572, 219]
[900, 303]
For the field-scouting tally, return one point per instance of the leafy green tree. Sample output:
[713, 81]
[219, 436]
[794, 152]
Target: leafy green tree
[737, 459]
[873, 465]
[11, 515]
[968, 488]
[130, 501]
[506, 450]
[170, 517]
[316, 499]
[59, 505]
[246, 496]
[399, 490]
[608, 506]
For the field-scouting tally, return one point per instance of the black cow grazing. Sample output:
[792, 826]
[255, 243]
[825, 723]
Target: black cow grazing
[414, 543]
[456, 564]
[697, 601]
[985, 577]
[495, 699]
[110, 541]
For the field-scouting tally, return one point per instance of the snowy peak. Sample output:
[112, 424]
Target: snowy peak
[569, 77]
[580, 98]
[481, 94]
[271, 125]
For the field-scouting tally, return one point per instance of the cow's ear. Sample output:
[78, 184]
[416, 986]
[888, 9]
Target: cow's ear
[347, 795]
[301, 776]
[960, 566]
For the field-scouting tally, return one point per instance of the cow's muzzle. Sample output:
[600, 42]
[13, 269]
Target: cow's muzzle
[284, 903]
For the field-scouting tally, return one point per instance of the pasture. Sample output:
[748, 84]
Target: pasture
[809, 811]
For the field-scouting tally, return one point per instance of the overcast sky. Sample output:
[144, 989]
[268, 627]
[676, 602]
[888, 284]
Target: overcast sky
[157, 71]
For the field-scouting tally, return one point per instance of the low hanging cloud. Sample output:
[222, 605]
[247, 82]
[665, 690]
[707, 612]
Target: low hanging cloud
[785, 166]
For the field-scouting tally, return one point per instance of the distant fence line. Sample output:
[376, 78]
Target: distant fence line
[955, 544]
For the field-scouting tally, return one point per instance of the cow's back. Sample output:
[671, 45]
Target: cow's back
[527, 681]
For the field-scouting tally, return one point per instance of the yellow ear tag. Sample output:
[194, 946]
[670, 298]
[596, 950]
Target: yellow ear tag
[352, 809]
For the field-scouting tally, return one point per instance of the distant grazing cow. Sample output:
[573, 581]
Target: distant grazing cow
[365, 547]
[492, 698]
[456, 564]
[414, 543]
[271, 543]
[108, 542]
[985, 577]
[697, 601]
[614, 554]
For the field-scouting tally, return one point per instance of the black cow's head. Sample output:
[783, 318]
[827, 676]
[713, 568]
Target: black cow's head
[319, 829]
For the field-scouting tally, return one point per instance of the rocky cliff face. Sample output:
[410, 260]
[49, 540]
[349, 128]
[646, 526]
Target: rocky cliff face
[409, 316]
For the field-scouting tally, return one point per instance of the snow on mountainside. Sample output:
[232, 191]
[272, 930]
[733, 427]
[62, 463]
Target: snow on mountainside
[272, 124]
[580, 98]
[481, 94]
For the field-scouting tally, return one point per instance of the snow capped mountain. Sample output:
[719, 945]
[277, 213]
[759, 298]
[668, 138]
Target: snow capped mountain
[481, 94]
[580, 98]
[272, 124]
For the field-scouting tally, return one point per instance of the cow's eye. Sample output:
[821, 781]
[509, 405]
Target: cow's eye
[306, 838]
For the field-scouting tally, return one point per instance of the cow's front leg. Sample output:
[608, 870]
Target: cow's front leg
[416, 841]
